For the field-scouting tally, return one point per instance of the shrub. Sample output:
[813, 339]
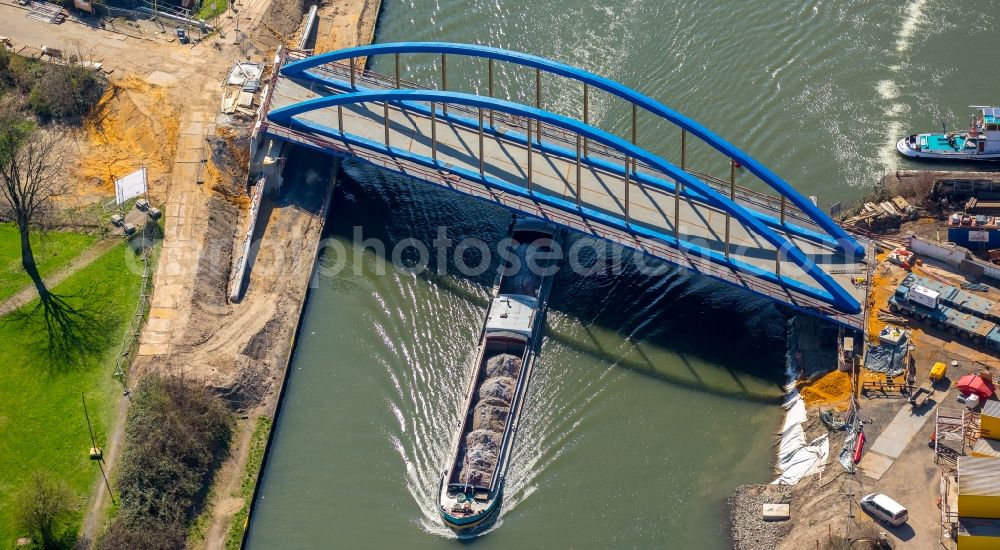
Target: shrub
[176, 435]
[63, 91]
[43, 510]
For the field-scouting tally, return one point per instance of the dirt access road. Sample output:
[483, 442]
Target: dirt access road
[241, 350]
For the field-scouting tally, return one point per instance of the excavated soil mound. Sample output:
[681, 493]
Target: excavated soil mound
[279, 25]
[831, 389]
[134, 124]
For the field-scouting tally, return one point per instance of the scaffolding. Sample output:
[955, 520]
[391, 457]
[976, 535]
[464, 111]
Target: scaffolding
[949, 435]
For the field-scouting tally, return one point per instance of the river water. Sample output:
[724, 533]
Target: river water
[655, 394]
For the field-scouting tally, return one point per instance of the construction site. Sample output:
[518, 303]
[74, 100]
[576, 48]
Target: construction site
[180, 108]
[909, 411]
[908, 408]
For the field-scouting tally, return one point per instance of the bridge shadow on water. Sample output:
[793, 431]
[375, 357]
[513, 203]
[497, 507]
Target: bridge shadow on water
[697, 319]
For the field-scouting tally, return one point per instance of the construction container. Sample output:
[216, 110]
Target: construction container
[989, 419]
[978, 534]
[924, 296]
[979, 488]
[986, 448]
[974, 237]
[938, 371]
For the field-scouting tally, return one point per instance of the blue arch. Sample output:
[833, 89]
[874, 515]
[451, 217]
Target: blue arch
[846, 243]
[833, 293]
[789, 228]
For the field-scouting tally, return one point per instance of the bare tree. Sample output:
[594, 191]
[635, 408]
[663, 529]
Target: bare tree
[43, 508]
[32, 161]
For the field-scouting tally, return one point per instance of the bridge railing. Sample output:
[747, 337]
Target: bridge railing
[341, 70]
[590, 82]
[648, 246]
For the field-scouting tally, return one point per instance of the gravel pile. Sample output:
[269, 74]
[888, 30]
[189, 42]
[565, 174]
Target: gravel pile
[747, 529]
[489, 418]
[503, 364]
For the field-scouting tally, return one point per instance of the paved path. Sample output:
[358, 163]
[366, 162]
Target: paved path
[186, 219]
[895, 437]
[87, 257]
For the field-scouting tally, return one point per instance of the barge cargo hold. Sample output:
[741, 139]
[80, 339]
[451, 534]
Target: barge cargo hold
[472, 483]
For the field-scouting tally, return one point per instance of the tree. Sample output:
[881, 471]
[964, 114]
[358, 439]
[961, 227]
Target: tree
[31, 172]
[43, 509]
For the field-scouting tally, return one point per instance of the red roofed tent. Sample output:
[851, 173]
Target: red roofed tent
[974, 384]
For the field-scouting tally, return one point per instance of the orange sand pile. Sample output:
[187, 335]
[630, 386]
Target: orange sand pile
[831, 390]
[883, 284]
[134, 124]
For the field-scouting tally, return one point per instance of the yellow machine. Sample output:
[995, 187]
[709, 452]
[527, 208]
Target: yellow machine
[938, 371]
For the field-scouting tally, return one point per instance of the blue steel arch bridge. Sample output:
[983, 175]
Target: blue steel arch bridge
[567, 170]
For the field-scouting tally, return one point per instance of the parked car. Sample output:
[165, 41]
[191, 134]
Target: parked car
[884, 508]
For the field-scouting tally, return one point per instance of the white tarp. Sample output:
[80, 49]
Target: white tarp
[131, 186]
[796, 458]
[243, 71]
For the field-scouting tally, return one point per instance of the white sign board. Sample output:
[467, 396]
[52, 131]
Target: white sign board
[979, 237]
[131, 186]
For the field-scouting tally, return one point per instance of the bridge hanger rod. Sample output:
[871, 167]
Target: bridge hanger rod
[634, 132]
[490, 85]
[529, 154]
[434, 139]
[627, 185]
[578, 171]
[732, 197]
[385, 122]
[586, 112]
[538, 102]
[353, 63]
[444, 81]
[397, 71]
[482, 170]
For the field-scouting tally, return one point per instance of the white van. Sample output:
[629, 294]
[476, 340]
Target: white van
[884, 508]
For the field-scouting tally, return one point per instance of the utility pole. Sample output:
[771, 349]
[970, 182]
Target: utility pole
[99, 453]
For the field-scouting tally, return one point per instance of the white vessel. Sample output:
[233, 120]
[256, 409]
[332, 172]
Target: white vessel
[981, 142]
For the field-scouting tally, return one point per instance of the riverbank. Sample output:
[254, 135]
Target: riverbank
[286, 247]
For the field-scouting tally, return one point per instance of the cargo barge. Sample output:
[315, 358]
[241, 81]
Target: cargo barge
[472, 483]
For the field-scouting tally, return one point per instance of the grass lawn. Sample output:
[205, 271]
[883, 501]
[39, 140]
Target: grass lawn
[52, 251]
[258, 445]
[42, 423]
[207, 13]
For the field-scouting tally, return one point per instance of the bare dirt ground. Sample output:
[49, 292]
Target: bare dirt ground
[821, 504]
[159, 113]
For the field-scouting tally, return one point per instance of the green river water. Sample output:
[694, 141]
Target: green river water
[654, 396]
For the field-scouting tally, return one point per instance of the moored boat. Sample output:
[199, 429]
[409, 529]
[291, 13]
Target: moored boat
[472, 483]
[981, 142]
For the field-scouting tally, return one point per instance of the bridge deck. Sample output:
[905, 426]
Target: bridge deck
[506, 158]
